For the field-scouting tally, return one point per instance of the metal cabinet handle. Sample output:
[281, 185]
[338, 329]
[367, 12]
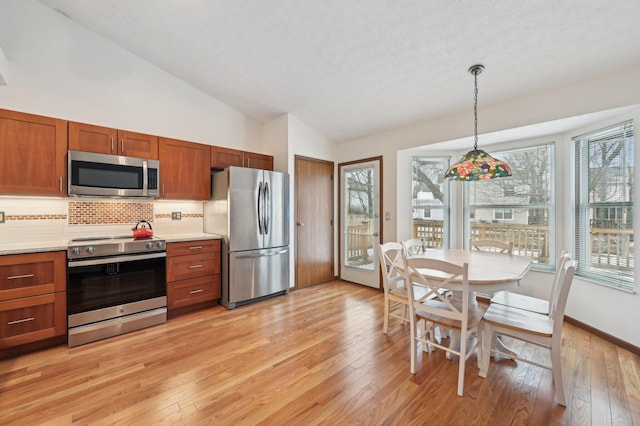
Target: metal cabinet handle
[196, 291]
[163, 189]
[122, 145]
[111, 144]
[20, 321]
[195, 248]
[60, 183]
[195, 266]
[15, 277]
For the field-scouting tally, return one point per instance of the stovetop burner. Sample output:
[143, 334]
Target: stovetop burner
[88, 247]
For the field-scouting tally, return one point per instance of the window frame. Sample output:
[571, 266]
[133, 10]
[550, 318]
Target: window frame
[583, 207]
[446, 204]
[468, 210]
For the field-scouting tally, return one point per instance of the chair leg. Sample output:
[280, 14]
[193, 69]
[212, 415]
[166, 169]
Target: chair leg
[414, 346]
[487, 339]
[461, 362]
[385, 323]
[556, 367]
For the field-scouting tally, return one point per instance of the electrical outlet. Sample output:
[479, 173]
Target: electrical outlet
[176, 215]
[1, 217]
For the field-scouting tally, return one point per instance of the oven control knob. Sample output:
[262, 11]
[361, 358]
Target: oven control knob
[75, 250]
[160, 244]
[149, 245]
[91, 249]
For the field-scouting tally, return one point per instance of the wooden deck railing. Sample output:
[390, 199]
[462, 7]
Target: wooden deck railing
[610, 248]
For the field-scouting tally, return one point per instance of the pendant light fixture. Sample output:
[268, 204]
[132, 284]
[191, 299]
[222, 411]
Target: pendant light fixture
[477, 164]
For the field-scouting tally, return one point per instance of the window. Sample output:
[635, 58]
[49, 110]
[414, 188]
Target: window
[518, 209]
[503, 214]
[604, 205]
[430, 201]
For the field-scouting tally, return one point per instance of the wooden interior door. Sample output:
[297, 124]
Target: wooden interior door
[314, 221]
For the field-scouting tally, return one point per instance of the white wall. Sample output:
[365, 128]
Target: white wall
[60, 69]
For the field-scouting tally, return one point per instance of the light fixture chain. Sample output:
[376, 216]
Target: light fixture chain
[475, 112]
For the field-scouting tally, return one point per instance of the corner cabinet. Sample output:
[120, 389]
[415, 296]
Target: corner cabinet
[193, 273]
[224, 157]
[105, 140]
[34, 150]
[33, 297]
[185, 173]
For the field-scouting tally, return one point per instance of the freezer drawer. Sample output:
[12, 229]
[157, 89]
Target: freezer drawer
[253, 274]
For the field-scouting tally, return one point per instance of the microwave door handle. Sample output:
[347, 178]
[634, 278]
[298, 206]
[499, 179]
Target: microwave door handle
[145, 177]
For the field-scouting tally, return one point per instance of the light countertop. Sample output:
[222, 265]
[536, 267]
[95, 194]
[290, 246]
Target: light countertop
[62, 243]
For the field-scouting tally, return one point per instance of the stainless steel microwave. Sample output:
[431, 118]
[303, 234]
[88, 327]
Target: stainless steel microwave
[92, 174]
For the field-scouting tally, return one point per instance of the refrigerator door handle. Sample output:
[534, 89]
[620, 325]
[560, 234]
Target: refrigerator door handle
[273, 253]
[260, 208]
[267, 205]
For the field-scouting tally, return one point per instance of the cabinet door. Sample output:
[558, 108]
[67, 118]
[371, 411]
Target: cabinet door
[224, 157]
[30, 319]
[185, 173]
[32, 154]
[32, 274]
[258, 161]
[91, 138]
[138, 145]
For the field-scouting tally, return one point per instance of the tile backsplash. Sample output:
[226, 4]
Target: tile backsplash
[43, 219]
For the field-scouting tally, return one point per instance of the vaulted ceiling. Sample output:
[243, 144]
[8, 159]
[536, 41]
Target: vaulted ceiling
[354, 68]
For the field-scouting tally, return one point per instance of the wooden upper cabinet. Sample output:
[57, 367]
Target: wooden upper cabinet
[105, 140]
[258, 161]
[224, 157]
[185, 171]
[33, 154]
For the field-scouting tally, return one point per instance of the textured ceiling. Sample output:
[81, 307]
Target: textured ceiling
[354, 68]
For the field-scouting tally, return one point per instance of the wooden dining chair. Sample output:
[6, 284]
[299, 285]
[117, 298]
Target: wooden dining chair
[414, 246]
[496, 246]
[437, 309]
[530, 303]
[491, 245]
[396, 299]
[539, 329]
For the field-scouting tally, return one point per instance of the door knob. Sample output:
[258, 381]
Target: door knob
[375, 234]
[300, 223]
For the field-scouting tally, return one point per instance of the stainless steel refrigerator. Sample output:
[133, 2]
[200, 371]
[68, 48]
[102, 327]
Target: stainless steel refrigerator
[250, 209]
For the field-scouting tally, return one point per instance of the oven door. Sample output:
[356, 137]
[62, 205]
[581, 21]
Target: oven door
[94, 284]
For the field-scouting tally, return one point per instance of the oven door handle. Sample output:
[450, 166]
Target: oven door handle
[115, 259]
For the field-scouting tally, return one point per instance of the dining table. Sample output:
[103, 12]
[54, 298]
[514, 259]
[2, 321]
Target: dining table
[488, 272]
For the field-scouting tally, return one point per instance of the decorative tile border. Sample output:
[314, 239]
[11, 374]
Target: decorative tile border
[101, 212]
[184, 215]
[35, 217]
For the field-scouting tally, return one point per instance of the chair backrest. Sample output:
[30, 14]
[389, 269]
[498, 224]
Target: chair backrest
[491, 245]
[390, 255]
[559, 300]
[435, 275]
[564, 256]
[413, 246]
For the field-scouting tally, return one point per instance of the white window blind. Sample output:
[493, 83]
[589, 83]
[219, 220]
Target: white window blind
[604, 205]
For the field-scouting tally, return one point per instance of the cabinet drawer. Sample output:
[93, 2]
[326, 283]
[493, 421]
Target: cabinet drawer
[192, 247]
[34, 318]
[24, 275]
[189, 292]
[192, 266]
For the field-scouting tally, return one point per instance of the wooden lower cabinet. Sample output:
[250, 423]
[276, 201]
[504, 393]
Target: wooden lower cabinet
[193, 273]
[33, 297]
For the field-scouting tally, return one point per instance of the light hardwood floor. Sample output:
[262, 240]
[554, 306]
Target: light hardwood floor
[316, 356]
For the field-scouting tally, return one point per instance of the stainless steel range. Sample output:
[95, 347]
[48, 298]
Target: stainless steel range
[115, 285]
